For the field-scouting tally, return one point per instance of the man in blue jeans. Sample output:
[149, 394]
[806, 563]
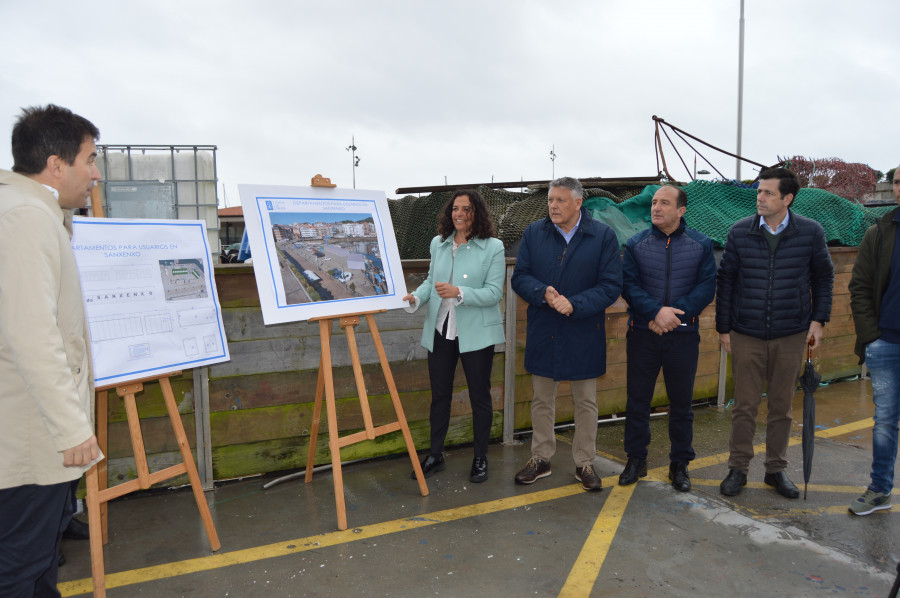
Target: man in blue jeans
[668, 278]
[875, 302]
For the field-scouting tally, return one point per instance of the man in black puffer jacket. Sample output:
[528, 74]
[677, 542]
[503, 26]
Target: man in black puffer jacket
[773, 297]
[669, 277]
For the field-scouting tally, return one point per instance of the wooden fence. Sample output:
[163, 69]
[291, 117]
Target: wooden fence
[260, 402]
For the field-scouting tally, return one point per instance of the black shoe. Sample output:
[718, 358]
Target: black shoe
[782, 484]
[430, 466]
[588, 478]
[678, 473]
[479, 470]
[77, 530]
[534, 470]
[733, 482]
[634, 469]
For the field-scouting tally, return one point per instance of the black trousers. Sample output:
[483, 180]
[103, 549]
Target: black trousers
[441, 369]
[676, 353]
[32, 520]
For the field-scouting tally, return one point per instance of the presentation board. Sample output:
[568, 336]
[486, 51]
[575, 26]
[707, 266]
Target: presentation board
[149, 295]
[321, 252]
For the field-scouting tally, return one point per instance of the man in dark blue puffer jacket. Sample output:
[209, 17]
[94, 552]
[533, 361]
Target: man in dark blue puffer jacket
[773, 298]
[668, 278]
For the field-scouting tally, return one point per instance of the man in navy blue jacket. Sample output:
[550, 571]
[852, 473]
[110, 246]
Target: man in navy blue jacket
[568, 271]
[668, 278]
[773, 298]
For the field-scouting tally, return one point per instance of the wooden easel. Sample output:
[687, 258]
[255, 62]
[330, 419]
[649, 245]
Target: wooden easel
[325, 385]
[98, 492]
[325, 382]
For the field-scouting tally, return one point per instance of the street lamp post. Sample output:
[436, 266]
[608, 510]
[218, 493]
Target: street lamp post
[553, 161]
[740, 114]
[354, 157]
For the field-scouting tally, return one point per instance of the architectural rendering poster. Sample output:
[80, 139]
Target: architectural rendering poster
[150, 297]
[321, 251]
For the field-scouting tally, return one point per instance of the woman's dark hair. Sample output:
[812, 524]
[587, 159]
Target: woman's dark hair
[482, 227]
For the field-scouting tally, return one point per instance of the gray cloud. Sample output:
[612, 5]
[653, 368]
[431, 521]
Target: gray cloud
[466, 90]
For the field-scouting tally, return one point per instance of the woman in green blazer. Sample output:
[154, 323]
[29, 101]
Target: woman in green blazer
[463, 322]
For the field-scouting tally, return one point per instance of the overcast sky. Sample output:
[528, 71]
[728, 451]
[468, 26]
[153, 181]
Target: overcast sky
[465, 90]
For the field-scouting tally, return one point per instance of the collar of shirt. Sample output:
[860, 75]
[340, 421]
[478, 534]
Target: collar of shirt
[52, 190]
[568, 235]
[780, 227]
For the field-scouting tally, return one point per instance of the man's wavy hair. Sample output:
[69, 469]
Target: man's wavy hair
[482, 227]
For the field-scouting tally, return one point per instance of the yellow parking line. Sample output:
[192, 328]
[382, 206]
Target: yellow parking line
[587, 566]
[812, 487]
[583, 574]
[846, 428]
[238, 557]
[833, 510]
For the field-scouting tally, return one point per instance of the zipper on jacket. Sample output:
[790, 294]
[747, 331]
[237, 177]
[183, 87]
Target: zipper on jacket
[668, 268]
[769, 294]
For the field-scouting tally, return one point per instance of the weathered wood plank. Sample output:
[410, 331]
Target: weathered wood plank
[157, 434]
[261, 390]
[266, 423]
[273, 372]
[150, 401]
[290, 453]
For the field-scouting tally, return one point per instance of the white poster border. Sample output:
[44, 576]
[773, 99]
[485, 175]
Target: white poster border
[125, 248]
[259, 202]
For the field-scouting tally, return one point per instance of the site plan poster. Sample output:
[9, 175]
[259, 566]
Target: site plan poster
[150, 297]
[321, 251]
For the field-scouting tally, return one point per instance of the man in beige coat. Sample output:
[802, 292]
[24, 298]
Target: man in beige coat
[46, 394]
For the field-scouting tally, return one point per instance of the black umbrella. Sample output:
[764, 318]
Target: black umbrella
[809, 381]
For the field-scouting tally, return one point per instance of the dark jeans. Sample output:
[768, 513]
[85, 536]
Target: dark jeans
[441, 369]
[32, 519]
[676, 353]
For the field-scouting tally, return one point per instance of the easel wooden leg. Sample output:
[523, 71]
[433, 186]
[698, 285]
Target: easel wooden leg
[189, 463]
[102, 422]
[398, 406]
[137, 438]
[316, 419]
[96, 533]
[331, 411]
[325, 385]
[358, 376]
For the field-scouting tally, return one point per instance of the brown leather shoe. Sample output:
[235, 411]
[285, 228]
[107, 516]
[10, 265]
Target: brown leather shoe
[588, 478]
[534, 470]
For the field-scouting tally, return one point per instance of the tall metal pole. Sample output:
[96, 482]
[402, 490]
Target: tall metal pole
[740, 114]
[353, 157]
[553, 162]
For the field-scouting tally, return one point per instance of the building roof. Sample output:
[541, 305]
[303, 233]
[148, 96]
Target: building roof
[235, 211]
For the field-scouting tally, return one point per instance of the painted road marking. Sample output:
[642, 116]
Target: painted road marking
[249, 555]
[587, 566]
[581, 578]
